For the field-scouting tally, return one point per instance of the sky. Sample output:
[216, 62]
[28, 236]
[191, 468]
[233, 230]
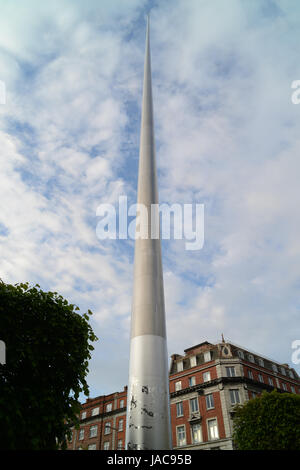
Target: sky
[227, 136]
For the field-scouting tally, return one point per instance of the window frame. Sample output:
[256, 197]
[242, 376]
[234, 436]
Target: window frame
[230, 371]
[179, 404]
[95, 411]
[107, 425]
[209, 398]
[177, 435]
[194, 400]
[178, 385]
[234, 393]
[208, 429]
[193, 433]
[94, 427]
[207, 373]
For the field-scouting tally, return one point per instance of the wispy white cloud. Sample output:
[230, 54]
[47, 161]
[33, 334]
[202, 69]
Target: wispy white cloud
[227, 136]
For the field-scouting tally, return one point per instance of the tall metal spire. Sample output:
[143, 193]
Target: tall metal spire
[148, 411]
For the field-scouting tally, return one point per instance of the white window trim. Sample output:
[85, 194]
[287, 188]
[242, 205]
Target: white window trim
[207, 373]
[121, 424]
[177, 440]
[190, 404]
[193, 361]
[192, 379]
[234, 395]
[178, 386]
[207, 355]
[104, 445]
[177, 415]
[107, 426]
[95, 411]
[208, 434]
[94, 428]
[211, 407]
[192, 434]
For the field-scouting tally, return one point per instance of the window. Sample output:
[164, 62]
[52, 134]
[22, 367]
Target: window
[270, 380]
[179, 366]
[81, 434]
[250, 374]
[209, 401]
[181, 440]
[122, 402]
[92, 447]
[196, 433]
[193, 361]
[234, 396]
[293, 389]
[93, 431]
[206, 376]
[179, 408]
[284, 386]
[212, 429]
[230, 371]
[261, 362]
[291, 374]
[260, 378]
[283, 371]
[106, 445]
[207, 356]
[120, 428]
[95, 411]
[108, 407]
[192, 381]
[83, 415]
[241, 354]
[251, 357]
[274, 367]
[107, 428]
[194, 406]
[120, 444]
[177, 386]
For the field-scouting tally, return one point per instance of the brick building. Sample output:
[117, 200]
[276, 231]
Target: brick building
[102, 423]
[205, 385]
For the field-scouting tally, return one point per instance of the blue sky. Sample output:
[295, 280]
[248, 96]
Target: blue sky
[227, 136]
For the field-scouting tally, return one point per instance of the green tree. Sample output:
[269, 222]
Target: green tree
[48, 345]
[268, 422]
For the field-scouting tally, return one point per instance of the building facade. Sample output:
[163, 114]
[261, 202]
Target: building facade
[205, 384]
[102, 423]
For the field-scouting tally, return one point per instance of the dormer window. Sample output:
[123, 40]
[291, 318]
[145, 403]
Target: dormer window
[250, 357]
[241, 354]
[193, 361]
[207, 356]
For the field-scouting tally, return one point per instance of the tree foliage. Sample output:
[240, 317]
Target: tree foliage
[48, 346]
[268, 422]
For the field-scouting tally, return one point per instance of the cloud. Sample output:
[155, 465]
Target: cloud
[227, 136]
